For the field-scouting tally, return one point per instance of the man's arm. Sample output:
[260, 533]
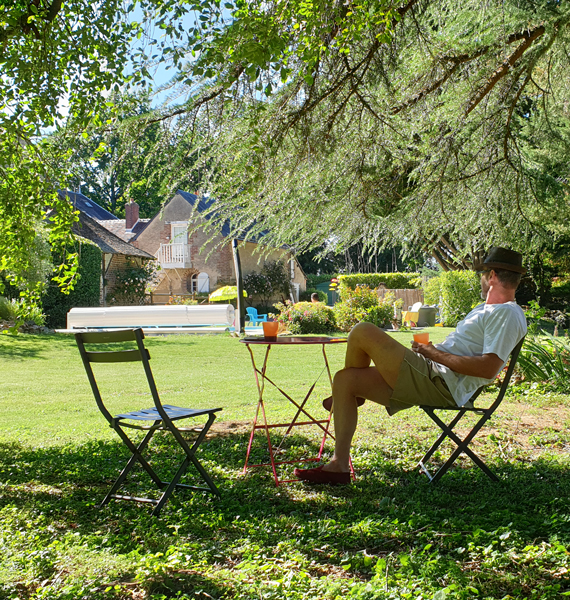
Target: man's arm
[486, 366]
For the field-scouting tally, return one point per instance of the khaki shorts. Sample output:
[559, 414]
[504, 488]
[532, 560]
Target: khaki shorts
[419, 383]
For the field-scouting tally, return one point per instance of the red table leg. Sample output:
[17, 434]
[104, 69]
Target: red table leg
[260, 379]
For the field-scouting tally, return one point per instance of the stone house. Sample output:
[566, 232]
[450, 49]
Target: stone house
[117, 253]
[190, 260]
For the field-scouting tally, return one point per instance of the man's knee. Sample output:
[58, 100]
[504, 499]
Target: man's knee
[344, 379]
[365, 332]
[340, 378]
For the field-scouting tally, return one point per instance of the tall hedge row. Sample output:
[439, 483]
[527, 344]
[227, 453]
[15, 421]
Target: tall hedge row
[314, 280]
[393, 281]
[86, 292]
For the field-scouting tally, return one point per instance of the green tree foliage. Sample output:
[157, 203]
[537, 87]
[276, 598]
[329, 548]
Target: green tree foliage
[56, 58]
[356, 259]
[86, 291]
[50, 51]
[31, 218]
[121, 156]
[441, 124]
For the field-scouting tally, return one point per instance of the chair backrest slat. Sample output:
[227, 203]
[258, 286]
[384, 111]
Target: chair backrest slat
[115, 356]
[138, 354]
[510, 369]
[108, 337]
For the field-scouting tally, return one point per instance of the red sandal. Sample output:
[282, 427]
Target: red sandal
[317, 475]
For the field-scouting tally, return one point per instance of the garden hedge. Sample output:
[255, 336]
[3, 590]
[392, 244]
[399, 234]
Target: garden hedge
[314, 280]
[393, 281]
[87, 290]
[455, 292]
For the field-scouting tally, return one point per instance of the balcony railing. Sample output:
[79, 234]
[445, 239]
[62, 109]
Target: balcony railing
[174, 256]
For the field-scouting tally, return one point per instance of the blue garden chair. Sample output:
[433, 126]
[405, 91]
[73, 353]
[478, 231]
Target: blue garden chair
[254, 318]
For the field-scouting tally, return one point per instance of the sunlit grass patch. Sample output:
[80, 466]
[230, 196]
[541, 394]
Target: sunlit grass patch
[390, 535]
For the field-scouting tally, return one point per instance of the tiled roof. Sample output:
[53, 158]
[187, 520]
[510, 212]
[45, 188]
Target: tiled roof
[117, 226]
[87, 206]
[108, 242]
[204, 205]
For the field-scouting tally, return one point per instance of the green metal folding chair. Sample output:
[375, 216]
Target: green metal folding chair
[160, 417]
[463, 444]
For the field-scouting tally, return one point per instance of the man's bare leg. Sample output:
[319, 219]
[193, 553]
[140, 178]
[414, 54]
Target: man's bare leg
[366, 344]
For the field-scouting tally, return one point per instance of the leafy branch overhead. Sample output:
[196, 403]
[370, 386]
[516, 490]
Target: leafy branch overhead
[415, 123]
[56, 58]
[418, 124]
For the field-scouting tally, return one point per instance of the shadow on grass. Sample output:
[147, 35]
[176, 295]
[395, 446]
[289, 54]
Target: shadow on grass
[83, 473]
[22, 346]
[387, 512]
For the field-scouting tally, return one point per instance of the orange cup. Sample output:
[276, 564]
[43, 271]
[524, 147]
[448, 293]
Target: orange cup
[270, 329]
[421, 338]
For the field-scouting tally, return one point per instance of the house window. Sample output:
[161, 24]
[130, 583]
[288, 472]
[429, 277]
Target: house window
[179, 233]
[199, 283]
[292, 263]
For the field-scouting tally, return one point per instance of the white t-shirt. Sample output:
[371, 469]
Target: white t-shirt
[487, 329]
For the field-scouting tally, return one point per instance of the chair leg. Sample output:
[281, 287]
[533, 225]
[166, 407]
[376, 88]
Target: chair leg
[136, 456]
[191, 453]
[443, 469]
[190, 458]
[174, 483]
[205, 476]
[462, 446]
[442, 436]
[169, 485]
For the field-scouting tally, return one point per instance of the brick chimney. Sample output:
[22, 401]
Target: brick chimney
[131, 214]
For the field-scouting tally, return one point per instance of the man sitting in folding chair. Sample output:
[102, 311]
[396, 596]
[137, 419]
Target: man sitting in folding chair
[444, 375]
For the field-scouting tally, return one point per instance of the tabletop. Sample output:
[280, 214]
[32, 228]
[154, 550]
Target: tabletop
[291, 340]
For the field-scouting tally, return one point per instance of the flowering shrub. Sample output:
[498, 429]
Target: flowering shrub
[130, 284]
[306, 317]
[181, 300]
[272, 282]
[363, 305]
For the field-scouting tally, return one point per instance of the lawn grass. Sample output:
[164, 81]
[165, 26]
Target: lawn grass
[389, 535]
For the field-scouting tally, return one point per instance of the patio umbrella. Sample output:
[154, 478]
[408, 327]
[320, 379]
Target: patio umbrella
[227, 292]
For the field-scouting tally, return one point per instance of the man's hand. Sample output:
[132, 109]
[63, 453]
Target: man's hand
[486, 366]
[428, 350]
